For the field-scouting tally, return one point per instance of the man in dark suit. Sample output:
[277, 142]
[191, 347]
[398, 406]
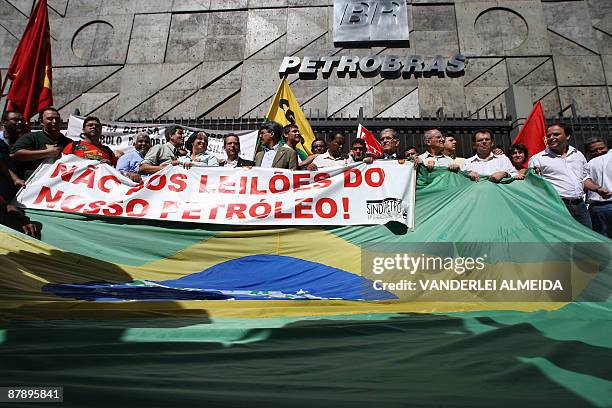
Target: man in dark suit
[231, 145]
[273, 154]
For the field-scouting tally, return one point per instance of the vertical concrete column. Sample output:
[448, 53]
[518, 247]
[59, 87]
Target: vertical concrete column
[519, 105]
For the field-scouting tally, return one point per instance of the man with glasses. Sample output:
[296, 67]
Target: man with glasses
[13, 127]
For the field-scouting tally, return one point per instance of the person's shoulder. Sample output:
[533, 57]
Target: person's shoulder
[108, 150]
[539, 155]
[28, 137]
[579, 154]
[33, 134]
[156, 148]
[153, 152]
[64, 140]
[26, 141]
[599, 159]
[126, 158]
[133, 155]
[245, 162]
[68, 147]
[321, 157]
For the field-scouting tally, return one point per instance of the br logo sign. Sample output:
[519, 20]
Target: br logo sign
[370, 23]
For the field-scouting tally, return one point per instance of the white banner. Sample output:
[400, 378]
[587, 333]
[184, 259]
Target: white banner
[349, 195]
[121, 136]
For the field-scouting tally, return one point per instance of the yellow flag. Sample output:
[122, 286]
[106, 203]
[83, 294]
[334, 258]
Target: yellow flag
[285, 109]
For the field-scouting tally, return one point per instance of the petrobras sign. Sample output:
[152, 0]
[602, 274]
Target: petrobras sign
[386, 66]
[367, 24]
[370, 23]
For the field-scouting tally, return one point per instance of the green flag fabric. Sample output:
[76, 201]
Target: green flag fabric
[126, 313]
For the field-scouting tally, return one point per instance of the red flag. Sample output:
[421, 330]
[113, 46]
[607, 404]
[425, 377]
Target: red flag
[373, 145]
[30, 68]
[533, 132]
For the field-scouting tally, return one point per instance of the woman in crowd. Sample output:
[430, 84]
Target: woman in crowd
[197, 144]
[518, 155]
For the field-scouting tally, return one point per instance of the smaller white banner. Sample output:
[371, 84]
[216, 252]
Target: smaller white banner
[121, 136]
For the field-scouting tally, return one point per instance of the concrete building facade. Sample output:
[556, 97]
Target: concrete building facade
[163, 59]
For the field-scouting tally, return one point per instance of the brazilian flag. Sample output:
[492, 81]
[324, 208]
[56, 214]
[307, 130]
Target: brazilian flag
[149, 313]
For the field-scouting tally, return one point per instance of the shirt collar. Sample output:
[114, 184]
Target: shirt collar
[329, 156]
[490, 157]
[267, 149]
[570, 150]
[428, 154]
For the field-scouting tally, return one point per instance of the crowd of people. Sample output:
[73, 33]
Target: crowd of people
[564, 166]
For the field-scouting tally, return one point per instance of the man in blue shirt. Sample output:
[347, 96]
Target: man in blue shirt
[129, 163]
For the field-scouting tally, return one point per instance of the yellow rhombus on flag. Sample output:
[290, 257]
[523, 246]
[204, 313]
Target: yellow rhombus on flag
[285, 109]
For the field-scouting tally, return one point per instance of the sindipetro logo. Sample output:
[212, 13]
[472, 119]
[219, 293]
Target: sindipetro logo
[370, 23]
[391, 209]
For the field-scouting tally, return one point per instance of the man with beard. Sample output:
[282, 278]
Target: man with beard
[30, 150]
[129, 163]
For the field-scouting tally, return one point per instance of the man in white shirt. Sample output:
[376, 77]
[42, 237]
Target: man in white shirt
[599, 171]
[566, 169]
[333, 156]
[434, 147]
[484, 162]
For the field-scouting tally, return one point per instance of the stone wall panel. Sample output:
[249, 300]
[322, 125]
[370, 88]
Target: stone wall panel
[187, 58]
